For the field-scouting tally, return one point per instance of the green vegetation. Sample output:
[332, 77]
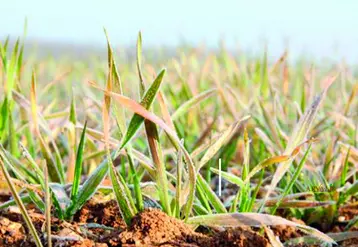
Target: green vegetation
[83, 122]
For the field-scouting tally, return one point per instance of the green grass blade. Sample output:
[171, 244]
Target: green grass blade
[146, 102]
[47, 208]
[78, 166]
[192, 103]
[213, 199]
[229, 177]
[136, 181]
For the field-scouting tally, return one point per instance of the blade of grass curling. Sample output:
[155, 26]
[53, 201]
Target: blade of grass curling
[47, 208]
[78, 166]
[157, 156]
[299, 134]
[139, 64]
[146, 102]
[256, 220]
[20, 204]
[140, 110]
[293, 180]
[121, 191]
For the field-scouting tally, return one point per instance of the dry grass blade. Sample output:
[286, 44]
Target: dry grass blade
[254, 219]
[274, 240]
[299, 134]
[336, 236]
[224, 137]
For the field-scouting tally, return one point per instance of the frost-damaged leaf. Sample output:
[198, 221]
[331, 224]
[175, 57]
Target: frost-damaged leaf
[20, 204]
[144, 113]
[256, 220]
[192, 103]
[298, 135]
[224, 137]
[146, 102]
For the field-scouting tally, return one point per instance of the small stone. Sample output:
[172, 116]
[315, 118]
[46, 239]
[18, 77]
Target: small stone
[341, 218]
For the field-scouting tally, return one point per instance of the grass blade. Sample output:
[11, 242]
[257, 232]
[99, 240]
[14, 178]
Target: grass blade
[192, 103]
[78, 166]
[20, 204]
[146, 102]
[224, 137]
[139, 64]
[121, 191]
[299, 134]
[256, 220]
[157, 156]
[47, 208]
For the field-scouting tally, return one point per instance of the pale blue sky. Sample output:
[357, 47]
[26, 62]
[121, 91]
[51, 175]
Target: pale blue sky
[316, 27]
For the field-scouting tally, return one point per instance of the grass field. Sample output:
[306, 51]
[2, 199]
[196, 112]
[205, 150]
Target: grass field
[209, 138]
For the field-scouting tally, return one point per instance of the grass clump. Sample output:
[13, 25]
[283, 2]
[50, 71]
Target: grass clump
[255, 116]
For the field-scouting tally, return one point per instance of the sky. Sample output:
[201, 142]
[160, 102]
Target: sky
[319, 28]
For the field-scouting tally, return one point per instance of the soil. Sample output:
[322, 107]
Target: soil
[99, 224]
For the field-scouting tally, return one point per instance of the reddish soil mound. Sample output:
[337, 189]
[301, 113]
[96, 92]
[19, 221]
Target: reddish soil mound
[100, 225]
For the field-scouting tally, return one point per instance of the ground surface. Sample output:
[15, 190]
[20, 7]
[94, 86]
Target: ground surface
[100, 225]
